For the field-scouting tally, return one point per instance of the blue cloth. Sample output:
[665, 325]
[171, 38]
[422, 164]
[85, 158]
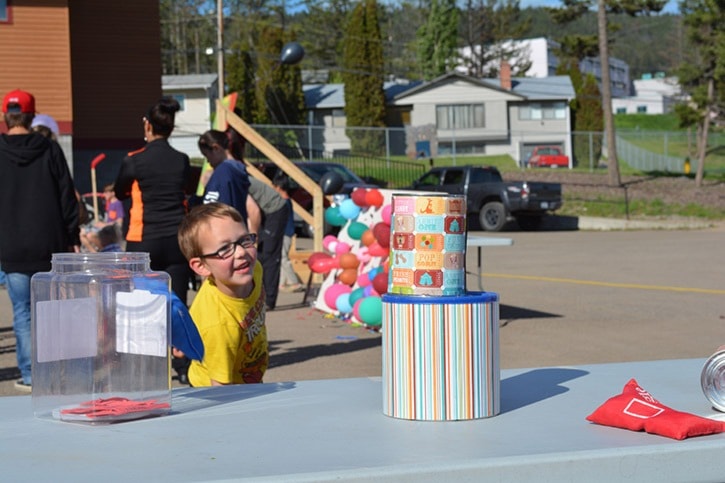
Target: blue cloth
[289, 229]
[2, 278]
[229, 184]
[184, 334]
[19, 291]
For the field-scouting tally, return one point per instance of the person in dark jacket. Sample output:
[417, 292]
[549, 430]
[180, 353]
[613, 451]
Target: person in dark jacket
[38, 213]
[153, 178]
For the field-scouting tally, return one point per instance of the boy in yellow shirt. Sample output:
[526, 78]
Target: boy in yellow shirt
[229, 308]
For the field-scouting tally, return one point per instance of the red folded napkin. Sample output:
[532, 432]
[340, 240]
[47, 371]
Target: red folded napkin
[637, 410]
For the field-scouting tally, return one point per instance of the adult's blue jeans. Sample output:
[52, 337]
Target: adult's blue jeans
[18, 285]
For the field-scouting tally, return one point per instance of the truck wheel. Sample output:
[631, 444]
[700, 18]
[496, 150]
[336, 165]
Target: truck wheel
[529, 222]
[492, 216]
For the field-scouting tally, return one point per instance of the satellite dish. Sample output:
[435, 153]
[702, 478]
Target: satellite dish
[292, 53]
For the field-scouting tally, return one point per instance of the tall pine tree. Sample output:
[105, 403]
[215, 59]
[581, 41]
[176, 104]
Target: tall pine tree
[363, 78]
[438, 39]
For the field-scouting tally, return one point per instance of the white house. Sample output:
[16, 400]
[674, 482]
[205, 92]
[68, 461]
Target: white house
[196, 94]
[655, 95]
[456, 113]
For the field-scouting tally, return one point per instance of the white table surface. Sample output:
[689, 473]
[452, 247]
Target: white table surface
[335, 430]
[485, 241]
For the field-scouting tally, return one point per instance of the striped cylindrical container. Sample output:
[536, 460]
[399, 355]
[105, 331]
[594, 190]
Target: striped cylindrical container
[440, 357]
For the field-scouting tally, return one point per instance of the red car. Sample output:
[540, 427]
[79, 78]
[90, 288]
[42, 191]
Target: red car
[548, 157]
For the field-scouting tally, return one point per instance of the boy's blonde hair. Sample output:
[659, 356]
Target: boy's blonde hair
[198, 217]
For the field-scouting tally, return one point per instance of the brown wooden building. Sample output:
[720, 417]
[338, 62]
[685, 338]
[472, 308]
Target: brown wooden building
[94, 65]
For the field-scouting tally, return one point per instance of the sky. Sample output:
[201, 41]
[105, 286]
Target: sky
[671, 6]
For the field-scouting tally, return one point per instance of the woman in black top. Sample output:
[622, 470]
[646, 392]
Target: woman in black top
[154, 178]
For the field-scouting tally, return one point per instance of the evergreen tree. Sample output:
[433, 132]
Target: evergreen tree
[363, 78]
[438, 39]
[240, 79]
[704, 76]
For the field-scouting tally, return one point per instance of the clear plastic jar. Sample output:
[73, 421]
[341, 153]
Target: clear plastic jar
[101, 338]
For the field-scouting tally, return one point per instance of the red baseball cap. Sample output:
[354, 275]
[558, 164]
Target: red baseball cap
[24, 100]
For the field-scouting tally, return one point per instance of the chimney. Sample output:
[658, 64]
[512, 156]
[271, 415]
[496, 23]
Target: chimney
[505, 75]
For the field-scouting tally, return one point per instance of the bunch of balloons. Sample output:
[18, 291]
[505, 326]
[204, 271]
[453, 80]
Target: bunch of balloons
[357, 289]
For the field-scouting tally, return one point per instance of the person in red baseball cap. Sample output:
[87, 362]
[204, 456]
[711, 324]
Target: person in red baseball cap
[19, 101]
[38, 214]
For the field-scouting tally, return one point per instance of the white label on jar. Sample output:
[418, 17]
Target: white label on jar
[141, 322]
[66, 329]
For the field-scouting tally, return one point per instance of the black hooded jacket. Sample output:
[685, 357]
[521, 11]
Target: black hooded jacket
[38, 204]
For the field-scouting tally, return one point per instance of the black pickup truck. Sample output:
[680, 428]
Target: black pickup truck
[494, 199]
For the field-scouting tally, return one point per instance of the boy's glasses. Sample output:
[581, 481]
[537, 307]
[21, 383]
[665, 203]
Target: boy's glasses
[245, 241]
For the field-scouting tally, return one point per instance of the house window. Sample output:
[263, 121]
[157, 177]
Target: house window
[181, 99]
[538, 111]
[5, 16]
[460, 116]
[642, 109]
[621, 110]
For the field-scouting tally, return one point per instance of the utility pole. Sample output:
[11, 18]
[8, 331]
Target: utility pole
[220, 46]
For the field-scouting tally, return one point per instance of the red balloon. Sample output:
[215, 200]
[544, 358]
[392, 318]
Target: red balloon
[374, 198]
[380, 283]
[376, 250]
[322, 262]
[382, 234]
[358, 196]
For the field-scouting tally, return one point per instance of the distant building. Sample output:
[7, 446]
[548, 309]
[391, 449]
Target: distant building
[540, 52]
[197, 94]
[652, 95]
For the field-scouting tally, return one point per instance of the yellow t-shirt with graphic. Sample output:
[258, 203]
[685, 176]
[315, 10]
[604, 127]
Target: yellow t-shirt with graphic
[234, 335]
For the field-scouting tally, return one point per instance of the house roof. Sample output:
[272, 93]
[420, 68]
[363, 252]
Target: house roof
[541, 88]
[332, 96]
[192, 81]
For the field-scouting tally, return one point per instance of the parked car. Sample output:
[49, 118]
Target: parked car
[315, 170]
[492, 198]
[548, 156]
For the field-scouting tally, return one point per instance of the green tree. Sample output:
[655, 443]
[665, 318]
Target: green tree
[574, 9]
[240, 73]
[703, 77]
[363, 78]
[438, 39]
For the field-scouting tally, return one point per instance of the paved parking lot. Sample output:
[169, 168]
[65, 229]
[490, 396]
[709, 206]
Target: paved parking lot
[566, 298]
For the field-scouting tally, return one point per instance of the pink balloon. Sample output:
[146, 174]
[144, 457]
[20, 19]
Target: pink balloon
[363, 255]
[356, 309]
[334, 291]
[327, 240]
[342, 247]
[364, 279]
[387, 213]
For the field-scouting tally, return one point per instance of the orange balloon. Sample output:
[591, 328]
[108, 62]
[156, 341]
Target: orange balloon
[347, 276]
[374, 198]
[348, 260]
[368, 238]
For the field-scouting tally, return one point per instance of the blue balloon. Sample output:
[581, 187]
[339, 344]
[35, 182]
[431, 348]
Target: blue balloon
[349, 209]
[343, 303]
